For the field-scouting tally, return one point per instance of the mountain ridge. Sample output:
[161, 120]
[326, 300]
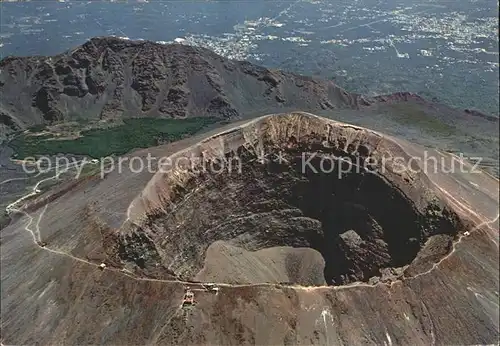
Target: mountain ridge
[109, 77]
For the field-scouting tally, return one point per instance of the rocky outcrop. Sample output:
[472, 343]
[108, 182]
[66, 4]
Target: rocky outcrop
[110, 77]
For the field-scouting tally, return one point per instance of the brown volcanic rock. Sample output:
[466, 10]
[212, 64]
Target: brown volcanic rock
[234, 265]
[415, 253]
[110, 77]
[289, 191]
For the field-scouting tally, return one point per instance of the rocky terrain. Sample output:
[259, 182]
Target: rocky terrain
[364, 244]
[109, 77]
[388, 253]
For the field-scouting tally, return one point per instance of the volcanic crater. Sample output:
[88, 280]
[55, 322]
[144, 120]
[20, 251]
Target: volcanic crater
[289, 198]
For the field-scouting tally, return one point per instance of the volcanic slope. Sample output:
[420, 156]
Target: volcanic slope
[388, 254]
[108, 78]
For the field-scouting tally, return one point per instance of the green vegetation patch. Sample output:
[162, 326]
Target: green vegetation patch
[118, 140]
